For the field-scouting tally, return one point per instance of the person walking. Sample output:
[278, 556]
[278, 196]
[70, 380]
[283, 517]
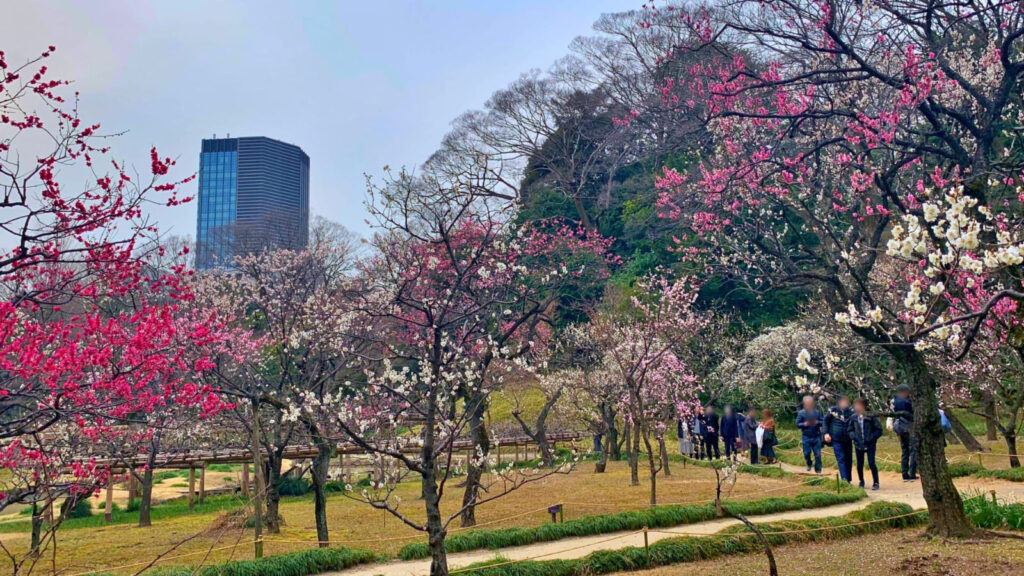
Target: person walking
[808, 420]
[685, 441]
[865, 432]
[903, 420]
[837, 434]
[732, 427]
[710, 424]
[768, 440]
[749, 434]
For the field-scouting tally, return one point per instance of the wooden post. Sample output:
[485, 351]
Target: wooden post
[191, 488]
[202, 484]
[647, 548]
[133, 487]
[497, 450]
[245, 479]
[109, 507]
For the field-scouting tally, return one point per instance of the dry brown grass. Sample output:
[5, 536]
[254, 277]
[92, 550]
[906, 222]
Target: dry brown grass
[357, 525]
[889, 553]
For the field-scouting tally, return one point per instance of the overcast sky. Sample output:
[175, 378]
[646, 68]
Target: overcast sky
[358, 85]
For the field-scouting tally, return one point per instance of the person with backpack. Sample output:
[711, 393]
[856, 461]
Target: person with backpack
[865, 430]
[903, 419]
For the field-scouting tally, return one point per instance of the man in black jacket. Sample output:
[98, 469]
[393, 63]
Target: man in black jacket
[837, 433]
[808, 420]
[903, 419]
[749, 434]
[732, 426]
[865, 431]
[709, 427]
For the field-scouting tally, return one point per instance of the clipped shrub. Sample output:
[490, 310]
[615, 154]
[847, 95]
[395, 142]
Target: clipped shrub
[657, 517]
[289, 486]
[82, 509]
[301, 563]
[962, 469]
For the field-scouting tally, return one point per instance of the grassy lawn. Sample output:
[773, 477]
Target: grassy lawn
[890, 553]
[354, 524]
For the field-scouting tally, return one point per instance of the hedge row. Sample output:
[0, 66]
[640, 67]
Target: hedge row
[656, 517]
[735, 540]
[303, 563]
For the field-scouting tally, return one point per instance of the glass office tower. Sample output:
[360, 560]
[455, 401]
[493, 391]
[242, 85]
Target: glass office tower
[253, 195]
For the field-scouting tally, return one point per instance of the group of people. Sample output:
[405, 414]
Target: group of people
[699, 437]
[850, 428]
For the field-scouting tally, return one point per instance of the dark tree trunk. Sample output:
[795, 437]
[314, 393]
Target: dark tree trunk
[963, 434]
[475, 470]
[1011, 449]
[991, 417]
[634, 456]
[611, 433]
[37, 528]
[602, 459]
[273, 483]
[146, 501]
[321, 464]
[653, 469]
[663, 455]
[945, 508]
[539, 433]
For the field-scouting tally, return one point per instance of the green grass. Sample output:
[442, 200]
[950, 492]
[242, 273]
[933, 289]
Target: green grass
[1011, 474]
[734, 540]
[158, 512]
[657, 517]
[301, 563]
[986, 513]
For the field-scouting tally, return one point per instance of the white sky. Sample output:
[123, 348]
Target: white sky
[358, 85]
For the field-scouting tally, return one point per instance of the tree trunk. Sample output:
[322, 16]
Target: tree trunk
[475, 470]
[321, 464]
[945, 508]
[1011, 449]
[273, 490]
[37, 528]
[616, 442]
[602, 460]
[991, 417]
[146, 501]
[653, 470]
[663, 454]
[963, 434]
[634, 456]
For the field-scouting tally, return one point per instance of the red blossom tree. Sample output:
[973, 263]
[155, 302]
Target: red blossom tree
[74, 365]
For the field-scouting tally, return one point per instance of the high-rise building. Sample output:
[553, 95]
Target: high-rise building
[253, 195]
